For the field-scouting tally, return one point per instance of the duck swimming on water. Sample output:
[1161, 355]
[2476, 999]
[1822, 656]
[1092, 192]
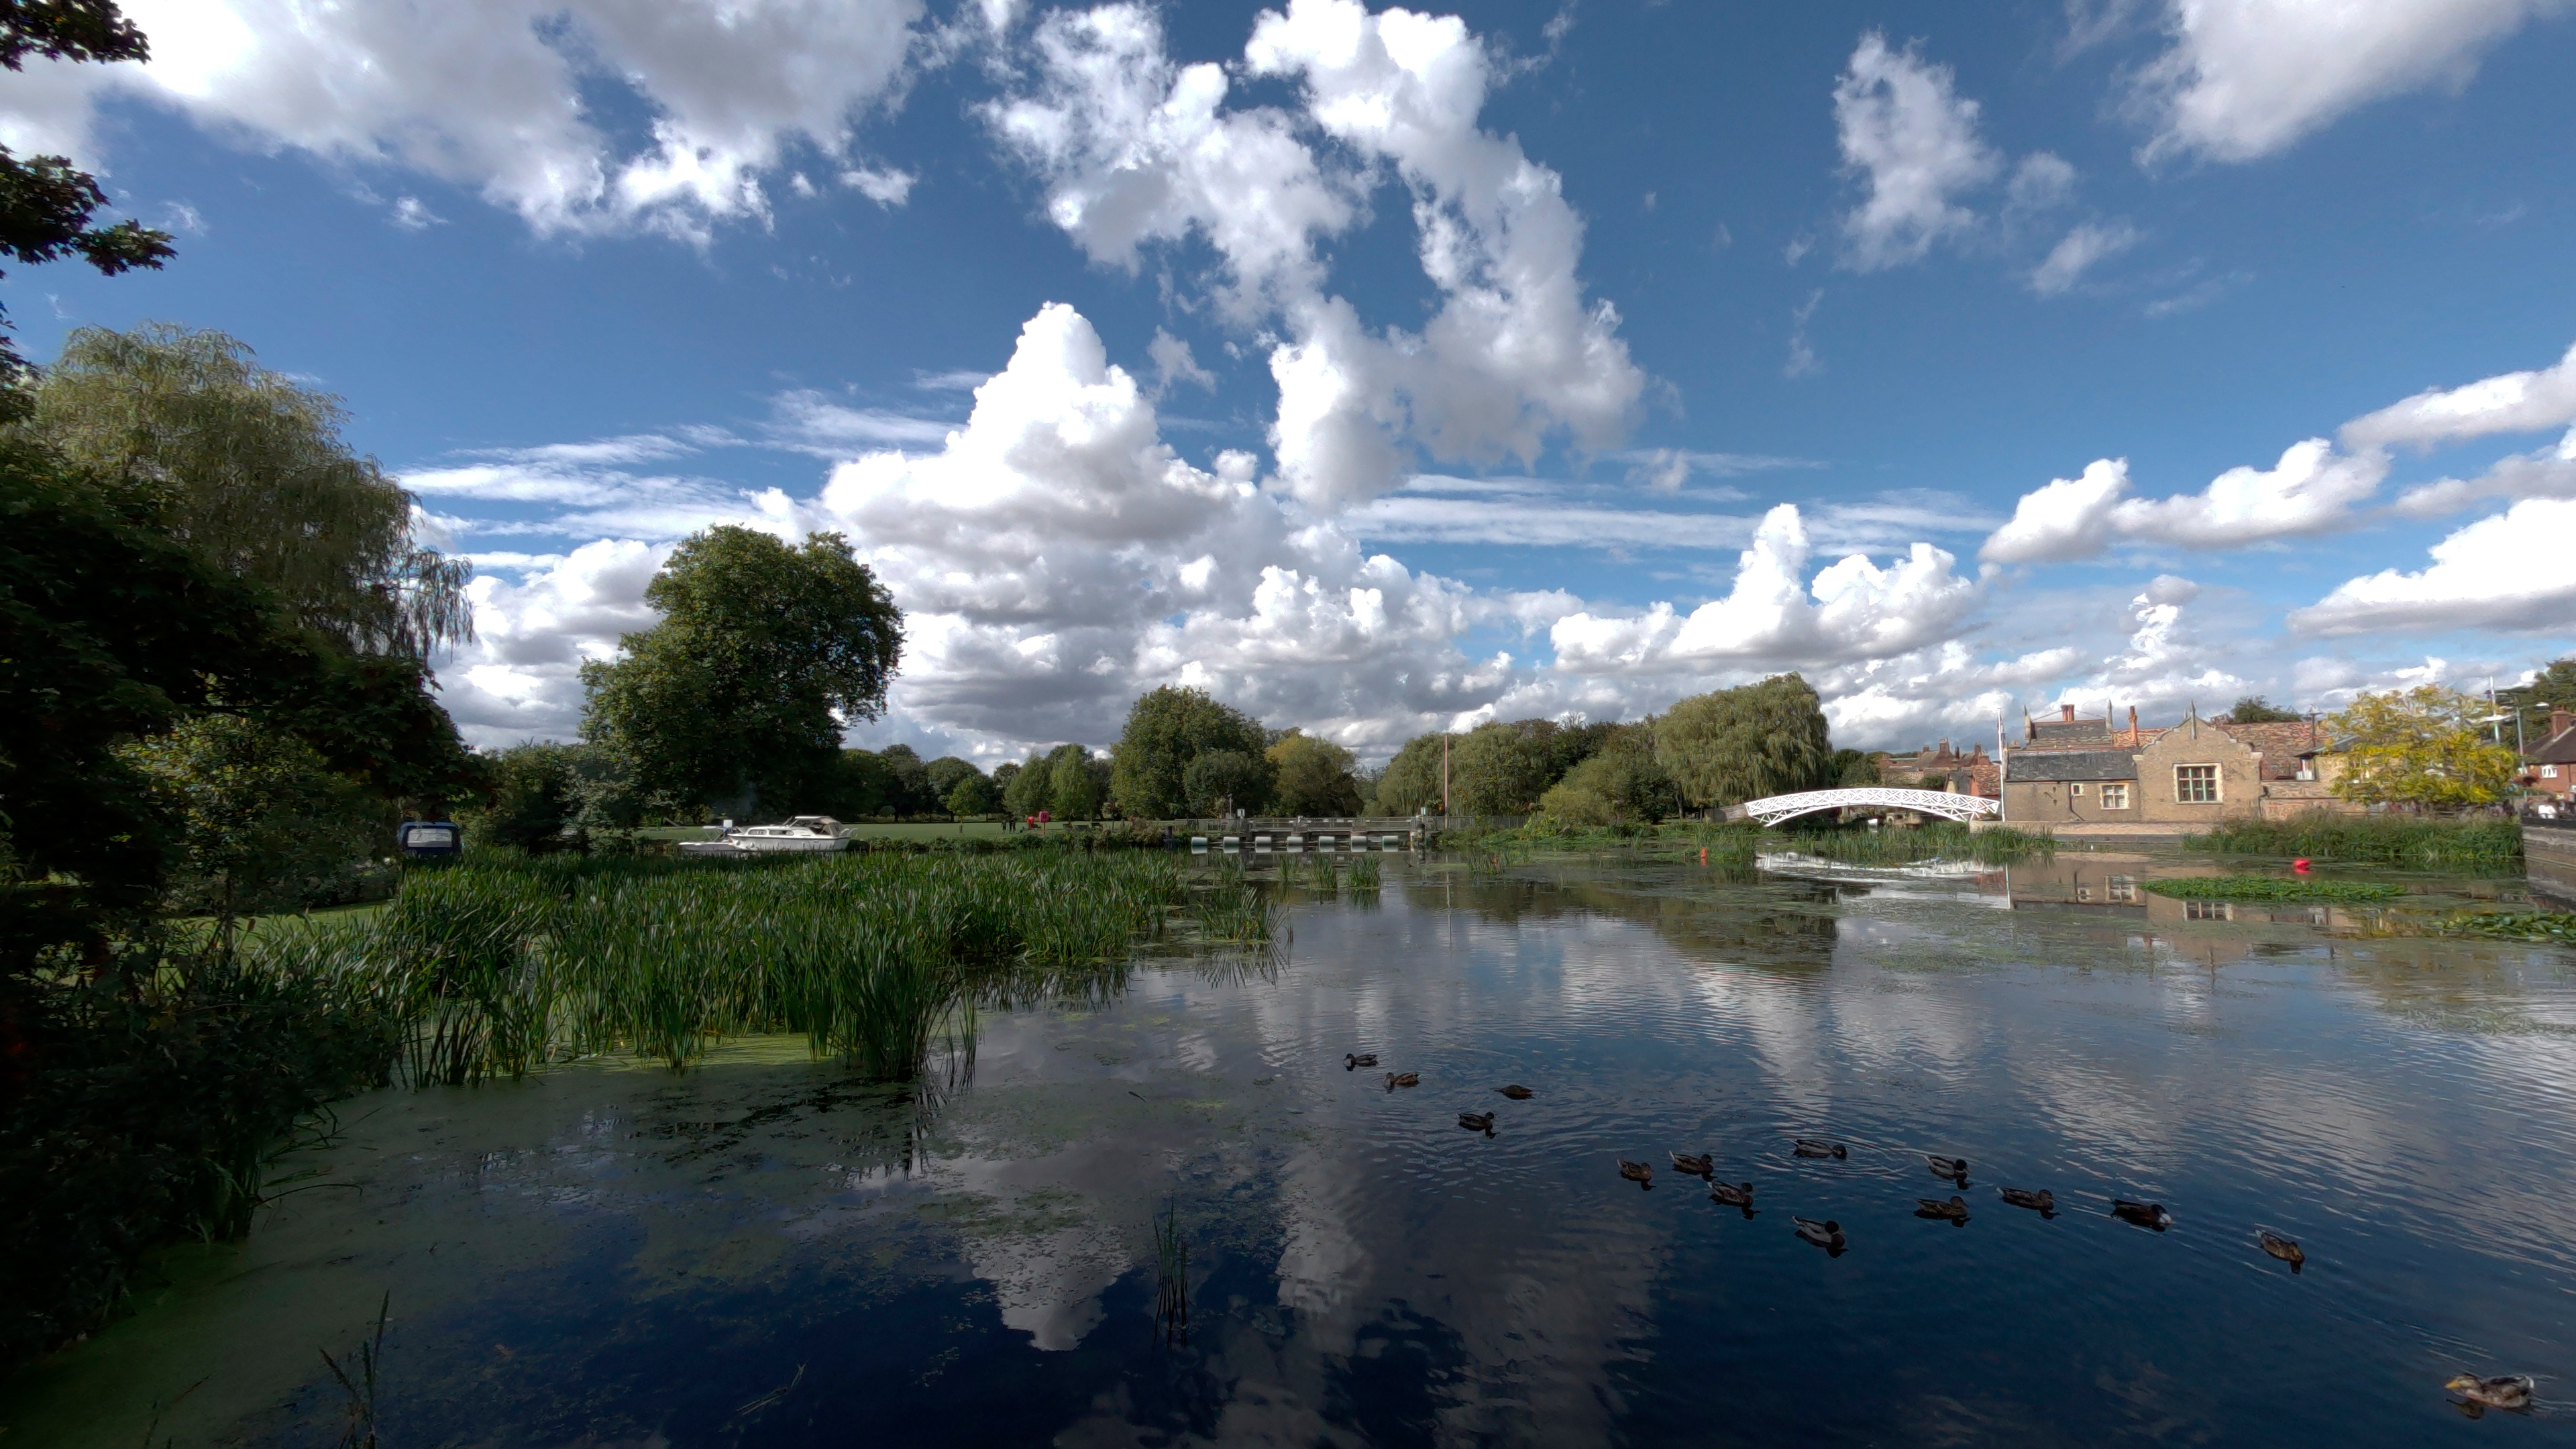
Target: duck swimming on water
[1516, 1092]
[1477, 1122]
[2505, 1391]
[1827, 1235]
[1951, 1167]
[2285, 1249]
[1956, 1209]
[1353, 1061]
[1403, 1079]
[1638, 1173]
[1733, 1194]
[2042, 1202]
[1689, 1166]
[1810, 1147]
[2144, 1214]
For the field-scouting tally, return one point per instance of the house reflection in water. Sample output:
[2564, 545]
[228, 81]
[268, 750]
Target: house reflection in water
[2112, 884]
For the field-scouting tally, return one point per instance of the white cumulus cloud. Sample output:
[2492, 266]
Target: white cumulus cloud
[2247, 78]
[2511, 572]
[1913, 142]
[489, 94]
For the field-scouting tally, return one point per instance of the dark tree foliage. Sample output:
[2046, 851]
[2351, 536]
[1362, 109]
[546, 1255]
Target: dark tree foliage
[2552, 688]
[1077, 783]
[1166, 730]
[533, 798]
[46, 203]
[1025, 793]
[973, 798]
[910, 791]
[1315, 777]
[945, 774]
[1741, 744]
[1220, 782]
[112, 630]
[737, 699]
[1502, 768]
[2255, 709]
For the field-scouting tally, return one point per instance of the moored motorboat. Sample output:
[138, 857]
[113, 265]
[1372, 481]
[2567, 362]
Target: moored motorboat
[801, 835]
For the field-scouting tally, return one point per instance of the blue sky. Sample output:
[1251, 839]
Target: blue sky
[1383, 371]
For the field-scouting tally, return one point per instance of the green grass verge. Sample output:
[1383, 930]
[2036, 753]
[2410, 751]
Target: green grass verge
[2272, 888]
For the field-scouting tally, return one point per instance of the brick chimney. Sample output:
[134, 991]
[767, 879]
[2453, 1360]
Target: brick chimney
[2066, 713]
[2559, 720]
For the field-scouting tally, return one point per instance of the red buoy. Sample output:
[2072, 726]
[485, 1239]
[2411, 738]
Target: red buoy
[2300, 865]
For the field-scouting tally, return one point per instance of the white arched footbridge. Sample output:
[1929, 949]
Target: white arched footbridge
[1776, 808]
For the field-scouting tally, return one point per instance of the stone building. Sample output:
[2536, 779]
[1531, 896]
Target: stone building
[2188, 774]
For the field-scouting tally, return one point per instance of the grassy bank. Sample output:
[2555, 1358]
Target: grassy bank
[2400, 840]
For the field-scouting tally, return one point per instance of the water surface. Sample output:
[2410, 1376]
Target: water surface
[765, 1251]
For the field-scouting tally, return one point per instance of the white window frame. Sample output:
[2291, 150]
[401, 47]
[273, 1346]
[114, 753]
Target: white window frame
[2076, 789]
[2115, 797]
[2217, 784]
[2549, 772]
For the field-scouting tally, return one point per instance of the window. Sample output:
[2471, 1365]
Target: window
[2076, 788]
[2124, 888]
[2208, 911]
[2549, 772]
[2196, 784]
[2115, 797]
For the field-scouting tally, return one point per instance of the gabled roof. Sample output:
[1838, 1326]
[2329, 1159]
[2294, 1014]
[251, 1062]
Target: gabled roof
[2558, 749]
[2024, 766]
[2280, 742]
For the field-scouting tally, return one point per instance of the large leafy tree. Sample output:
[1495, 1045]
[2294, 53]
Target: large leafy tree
[765, 652]
[2552, 688]
[1620, 783]
[1502, 768]
[48, 205]
[1077, 783]
[1411, 781]
[1740, 744]
[1220, 782]
[1166, 730]
[114, 630]
[264, 824]
[2427, 747]
[1315, 777]
[248, 466]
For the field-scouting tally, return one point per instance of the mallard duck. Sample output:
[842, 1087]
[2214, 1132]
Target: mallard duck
[2285, 1249]
[2144, 1214]
[1638, 1173]
[1356, 1060]
[1827, 1235]
[1477, 1122]
[1955, 1209]
[1689, 1166]
[1403, 1079]
[1733, 1194]
[1951, 1167]
[2505, 1391]
[1516, 1092]
[2042, 1202]
[1810, 1147]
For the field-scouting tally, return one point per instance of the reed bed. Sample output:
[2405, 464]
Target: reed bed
[2476, 843]
[2273, 888]
[502, 964]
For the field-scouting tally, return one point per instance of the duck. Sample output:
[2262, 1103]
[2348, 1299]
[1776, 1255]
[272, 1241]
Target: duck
[1810, 1147]
[2285, 1249]
[1689, 1166]
[2042, 1202]
[1477, 1122]
[1950, 1167]
[1827, 1235]
[1955, 1209]
[1353, 1061]
[2504, 1391]
[1516, 1092]
[2144, 1214]
[1638, 1173]
[1733, 1194]
[1403, 1079]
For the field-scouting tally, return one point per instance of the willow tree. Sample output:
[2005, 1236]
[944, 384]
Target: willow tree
[247, 468]
[1733, 745]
